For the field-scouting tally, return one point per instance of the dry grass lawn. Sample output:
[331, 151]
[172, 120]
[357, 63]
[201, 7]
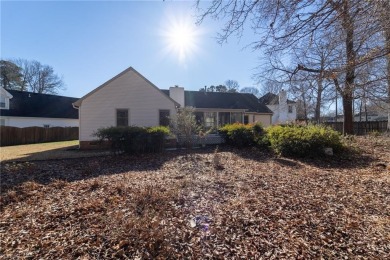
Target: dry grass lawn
[43, 151]
[227, 204]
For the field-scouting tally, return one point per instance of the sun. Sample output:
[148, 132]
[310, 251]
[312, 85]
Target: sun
[182, 38]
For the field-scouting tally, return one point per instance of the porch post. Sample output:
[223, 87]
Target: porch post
[217, 120]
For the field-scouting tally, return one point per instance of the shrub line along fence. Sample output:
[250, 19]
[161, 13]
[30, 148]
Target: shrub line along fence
[361, 128]
[29, 135]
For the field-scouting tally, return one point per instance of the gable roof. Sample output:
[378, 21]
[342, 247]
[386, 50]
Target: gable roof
[28, 104]
[5, 93]
[79, 101]
[223, 100]
[272, 99]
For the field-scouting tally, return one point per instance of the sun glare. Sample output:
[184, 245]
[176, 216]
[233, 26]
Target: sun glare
[181, 39]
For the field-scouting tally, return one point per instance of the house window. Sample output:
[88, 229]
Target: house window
[199, 118]
[122, 117]
[2, 102]
[164, 117]
[224, 118]
[210, 119]
[246, 119]
[46, 126]
[236, 118]
[290, 109]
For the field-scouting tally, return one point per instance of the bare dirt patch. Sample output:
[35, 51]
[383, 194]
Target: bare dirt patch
[246, 204]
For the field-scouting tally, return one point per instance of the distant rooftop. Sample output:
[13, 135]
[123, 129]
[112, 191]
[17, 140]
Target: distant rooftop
[272, 99]
[223, 100]
[28, 104]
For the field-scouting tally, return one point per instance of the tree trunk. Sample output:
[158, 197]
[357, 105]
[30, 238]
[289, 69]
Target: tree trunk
[388, 76]
[347, 107]
[319, 100]
[350, 71]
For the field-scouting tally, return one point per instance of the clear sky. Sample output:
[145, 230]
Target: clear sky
[89, 42]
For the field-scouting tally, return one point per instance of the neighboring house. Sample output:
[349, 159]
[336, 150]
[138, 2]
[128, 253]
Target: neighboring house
[131, 99]
[25, 109]
[371, 116]
[330, 119]
[284, 110]
[216, 109]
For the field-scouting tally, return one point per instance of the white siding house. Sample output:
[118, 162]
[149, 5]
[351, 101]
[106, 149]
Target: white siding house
[127, 99]
[284, 110]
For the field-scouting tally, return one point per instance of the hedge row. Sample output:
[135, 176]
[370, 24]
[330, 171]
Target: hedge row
[287, 140]
[134, 139]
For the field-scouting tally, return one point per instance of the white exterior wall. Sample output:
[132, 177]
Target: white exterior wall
[39, 121]
[177, 94]
[128, 91]
[281, 114]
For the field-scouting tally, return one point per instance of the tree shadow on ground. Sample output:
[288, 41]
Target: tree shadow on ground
[15, 173]
[348, 159]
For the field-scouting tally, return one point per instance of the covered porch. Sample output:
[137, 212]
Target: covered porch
[212, 119]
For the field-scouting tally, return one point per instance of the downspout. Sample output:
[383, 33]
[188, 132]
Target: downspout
[78, 108]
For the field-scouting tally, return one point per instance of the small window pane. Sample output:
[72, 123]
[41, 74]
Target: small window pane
[2, 101]
[164, 117]
[290, 109]
[224, 118]
[210, 119]
[236, 118]
[199, 118]
[246, 119]
[122, 117]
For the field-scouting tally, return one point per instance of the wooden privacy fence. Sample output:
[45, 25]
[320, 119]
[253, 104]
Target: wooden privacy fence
[29, 135]
[361, 128]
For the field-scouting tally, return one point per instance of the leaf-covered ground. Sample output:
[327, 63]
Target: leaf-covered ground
[203, 204]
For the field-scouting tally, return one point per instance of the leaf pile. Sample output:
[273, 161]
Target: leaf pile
[180, 205]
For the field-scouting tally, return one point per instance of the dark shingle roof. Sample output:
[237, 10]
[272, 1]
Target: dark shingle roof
[27, 104]
[272, 99]
[222, 100]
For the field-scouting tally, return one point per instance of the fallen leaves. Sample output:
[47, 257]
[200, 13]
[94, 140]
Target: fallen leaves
[180, 205]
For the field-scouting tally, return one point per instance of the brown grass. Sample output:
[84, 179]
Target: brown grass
[44, 151]
[178, 205]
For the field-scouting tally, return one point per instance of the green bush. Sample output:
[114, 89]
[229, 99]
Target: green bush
[134, 139]
[241, 135]
[301, 141]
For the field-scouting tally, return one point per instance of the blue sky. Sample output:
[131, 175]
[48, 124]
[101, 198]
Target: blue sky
[90, 42]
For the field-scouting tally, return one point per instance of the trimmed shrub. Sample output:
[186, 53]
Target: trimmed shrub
[301, 141]
[134, 139]
[241, 135]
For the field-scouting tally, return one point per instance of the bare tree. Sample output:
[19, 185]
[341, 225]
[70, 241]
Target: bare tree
[251, 90]
[39, 78]
[232, 86]
[281, 25]
[183, 125]
[272, 86]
